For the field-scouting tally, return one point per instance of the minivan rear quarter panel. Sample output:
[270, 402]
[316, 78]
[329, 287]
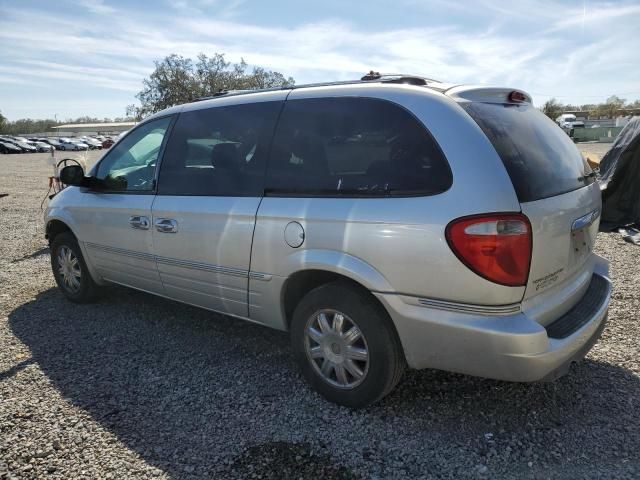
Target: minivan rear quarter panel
[401, 239]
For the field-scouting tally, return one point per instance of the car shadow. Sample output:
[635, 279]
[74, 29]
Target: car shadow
[189, 390]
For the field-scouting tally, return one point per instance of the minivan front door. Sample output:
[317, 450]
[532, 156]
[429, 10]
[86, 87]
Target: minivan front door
[209, 190]
[115, 220]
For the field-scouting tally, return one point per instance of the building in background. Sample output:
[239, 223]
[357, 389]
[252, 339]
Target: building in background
[80, 129]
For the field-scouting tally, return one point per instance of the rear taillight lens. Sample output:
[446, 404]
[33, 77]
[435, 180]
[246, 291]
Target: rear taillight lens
[517, 97]
[495, 246]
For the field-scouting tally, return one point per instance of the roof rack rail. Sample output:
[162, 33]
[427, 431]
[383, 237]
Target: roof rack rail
[397, 78]
[368, 78]
[371, 76]
[222, 92]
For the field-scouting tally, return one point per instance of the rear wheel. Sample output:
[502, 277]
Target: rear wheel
[346, 345]
[70, 270]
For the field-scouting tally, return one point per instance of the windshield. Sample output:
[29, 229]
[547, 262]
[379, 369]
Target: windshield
[540, 158]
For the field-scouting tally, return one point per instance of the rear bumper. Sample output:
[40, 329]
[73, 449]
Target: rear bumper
[511, 347]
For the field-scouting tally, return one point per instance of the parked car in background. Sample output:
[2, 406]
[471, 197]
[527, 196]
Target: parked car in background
[54, 142]
[71, 144]
[24, 145]
[92, 143]
[81, 144]
[107, 142]
[384, 223]
[6, 147]
[42, 146]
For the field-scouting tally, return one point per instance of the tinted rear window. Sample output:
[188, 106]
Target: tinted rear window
[540, 158]
[346, 146]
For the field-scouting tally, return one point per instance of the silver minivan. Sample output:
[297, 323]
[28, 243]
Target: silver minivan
[389, 222]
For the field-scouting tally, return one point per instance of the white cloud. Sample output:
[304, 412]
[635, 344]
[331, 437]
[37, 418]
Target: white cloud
[538, 45]
[223, 9]
[96, 6]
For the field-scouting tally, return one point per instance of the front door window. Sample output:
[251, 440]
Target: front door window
[131, 165]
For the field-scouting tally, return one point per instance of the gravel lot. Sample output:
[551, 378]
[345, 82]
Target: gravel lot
[135, 386]
[597, 148]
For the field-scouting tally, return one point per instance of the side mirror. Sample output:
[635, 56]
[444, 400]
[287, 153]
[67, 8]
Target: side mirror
[73, 175]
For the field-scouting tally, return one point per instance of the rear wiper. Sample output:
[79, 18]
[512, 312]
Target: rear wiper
[588, 176]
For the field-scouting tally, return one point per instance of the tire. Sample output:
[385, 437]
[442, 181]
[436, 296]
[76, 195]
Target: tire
[65, 246]
[63, 148]
[384, 364]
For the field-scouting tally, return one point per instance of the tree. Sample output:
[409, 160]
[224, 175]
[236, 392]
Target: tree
[3, 121]
[177, 80]
[610, 107]
[133, 113]
[25, 126]
[552, 108]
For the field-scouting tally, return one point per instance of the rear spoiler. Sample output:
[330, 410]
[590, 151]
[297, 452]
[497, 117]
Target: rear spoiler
[466, 93]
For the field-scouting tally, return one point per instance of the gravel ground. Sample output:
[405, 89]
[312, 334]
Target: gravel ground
[599, 149]
[136, 386]
[595, 150]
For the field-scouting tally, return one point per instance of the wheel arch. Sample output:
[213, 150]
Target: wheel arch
[55, 227]
[302, 282]
[307, 269]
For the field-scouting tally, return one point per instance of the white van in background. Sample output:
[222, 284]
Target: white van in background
[568, 121]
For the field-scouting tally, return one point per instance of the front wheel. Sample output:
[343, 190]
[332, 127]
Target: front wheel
[70, 270]
[346, 345]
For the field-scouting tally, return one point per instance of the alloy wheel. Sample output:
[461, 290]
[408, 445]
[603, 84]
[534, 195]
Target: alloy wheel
[337, 348]
[69, 269]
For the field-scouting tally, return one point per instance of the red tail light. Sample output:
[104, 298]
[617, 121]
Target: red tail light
[495, 246]
[517, 97]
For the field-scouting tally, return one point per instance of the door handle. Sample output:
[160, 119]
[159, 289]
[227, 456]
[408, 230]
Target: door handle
[166, 225]
[139, 222]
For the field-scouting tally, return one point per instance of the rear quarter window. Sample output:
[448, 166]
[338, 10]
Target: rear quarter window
[354, 146]
[540, 158]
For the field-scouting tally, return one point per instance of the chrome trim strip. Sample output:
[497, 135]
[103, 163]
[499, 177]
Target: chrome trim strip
[175, 262]
[121, 251]
[265, 277]
[237, 272]
[469, 308]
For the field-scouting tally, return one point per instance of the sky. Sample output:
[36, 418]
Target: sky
[69, 58]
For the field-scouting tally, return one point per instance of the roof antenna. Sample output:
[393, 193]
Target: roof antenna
[371, 76]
